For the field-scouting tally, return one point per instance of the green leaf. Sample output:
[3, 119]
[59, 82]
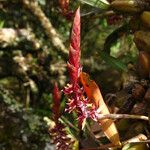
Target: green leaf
[133, 146]
[1, 24]
[42, 2]
[102, 4]
[114, 62]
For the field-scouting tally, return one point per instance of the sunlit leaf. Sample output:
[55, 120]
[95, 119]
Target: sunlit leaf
[1, 24]
[135, 147]
[114, 36]
[132, 145]
[76, 145]
[42, 2]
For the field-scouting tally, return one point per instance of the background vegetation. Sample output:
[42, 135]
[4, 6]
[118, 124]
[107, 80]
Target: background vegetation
[34, 41]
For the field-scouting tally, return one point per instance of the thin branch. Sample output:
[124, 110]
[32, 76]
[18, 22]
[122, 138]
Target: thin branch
[98, 14]
[45, 22]
[122, 116]
[138, 142]
[66, 121]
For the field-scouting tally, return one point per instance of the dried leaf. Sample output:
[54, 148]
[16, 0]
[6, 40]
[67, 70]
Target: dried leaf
[93, 92]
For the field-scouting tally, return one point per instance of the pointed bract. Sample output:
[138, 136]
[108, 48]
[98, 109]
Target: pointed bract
[74, 50]
[56, 102]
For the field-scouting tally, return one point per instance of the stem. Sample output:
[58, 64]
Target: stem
[69, 123]
[51, 32]
[138, 142]
[122, 116]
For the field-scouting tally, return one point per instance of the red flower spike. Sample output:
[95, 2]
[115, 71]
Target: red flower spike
[56, 94]
[77, 101]
[74, 50]
[56, 105]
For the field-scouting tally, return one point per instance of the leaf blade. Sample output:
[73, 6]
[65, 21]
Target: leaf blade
[114, 62]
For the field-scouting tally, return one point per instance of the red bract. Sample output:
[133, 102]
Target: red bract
[77, 100]
[56, 103]
[74, 50]
[73, 89]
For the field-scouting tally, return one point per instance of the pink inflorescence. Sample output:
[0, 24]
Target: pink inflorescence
[75, 93]
[58, 132]
[79, 103]
[60, 138]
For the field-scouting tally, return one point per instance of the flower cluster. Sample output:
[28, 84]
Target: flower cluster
[58, 132]
[75, 93]
[60, 137]
[80, 104]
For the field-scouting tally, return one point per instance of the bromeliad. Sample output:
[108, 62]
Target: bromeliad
[86, 106]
